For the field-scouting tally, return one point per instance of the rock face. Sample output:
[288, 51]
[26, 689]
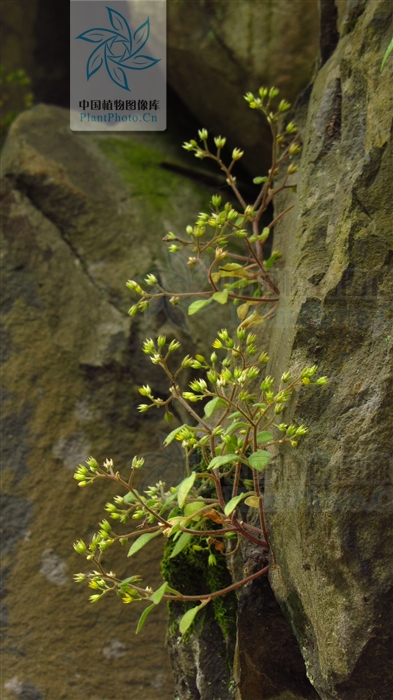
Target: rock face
[81, 215]
[218, 50]
[330, 502]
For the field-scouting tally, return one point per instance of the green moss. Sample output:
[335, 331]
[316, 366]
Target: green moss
[190, 574]
[139, 165]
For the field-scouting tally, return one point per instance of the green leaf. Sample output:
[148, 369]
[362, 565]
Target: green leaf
[259, 460]
[184, 489]
[192, 508]
[188, 618]
[387, 52]
[181, 543]
[141, 541]
[198, 305]
[231, 505]
[158, 594]
[264, 436]
[173, 434]
[270, 261]
[258, 180]
[252, 501]
[236, 414]
[221, 297]
[224, 459]
[130, 498]
[236, 426]
[212, 405]
[143, 618]
[231, 266]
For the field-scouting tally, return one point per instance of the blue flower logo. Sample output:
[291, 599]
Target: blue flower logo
[118, 49]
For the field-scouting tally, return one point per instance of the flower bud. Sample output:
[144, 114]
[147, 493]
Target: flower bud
[203, 134]
[220, 141]
[80, 547]
[291, 128]
[216, 200]
[237, 154]
[284, 106]
[151, 280]
[267, 383]
[148, 346]
[322, 380]
[78, 578]
[294, 148]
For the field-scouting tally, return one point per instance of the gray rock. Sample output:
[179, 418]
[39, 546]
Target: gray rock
[81, 215]
[219, 50]
[330, 501]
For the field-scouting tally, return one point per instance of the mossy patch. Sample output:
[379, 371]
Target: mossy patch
[139, 166]
[190, 574]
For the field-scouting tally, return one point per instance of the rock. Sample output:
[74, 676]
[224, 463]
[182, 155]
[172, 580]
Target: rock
[218, 50]
[329, 502]
[82, 213]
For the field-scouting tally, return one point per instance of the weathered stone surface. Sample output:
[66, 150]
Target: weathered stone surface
[218, 50]
[330, 502]
[81, 215]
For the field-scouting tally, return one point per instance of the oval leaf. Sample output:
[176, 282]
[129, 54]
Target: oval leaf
[143, 618]
[172, 435]
[198, 305]
[242, 311]
[188, 618]
[181, 543]
[159, 593]
[97, 35]
[259, 460]
[118, 21]
[236, 426]
[252, 501]
[140, 62]
[192, 508]
[221, 297]
[231, 505]
[264, 436]
[116, 74]
[184, 489]
[141, 541]
[387, 54]
[95, 61]
[224, 459]
[212, 405]
[141, 35]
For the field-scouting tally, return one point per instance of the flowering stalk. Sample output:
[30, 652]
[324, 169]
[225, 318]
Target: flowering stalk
[239, 426]
[243, 279]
